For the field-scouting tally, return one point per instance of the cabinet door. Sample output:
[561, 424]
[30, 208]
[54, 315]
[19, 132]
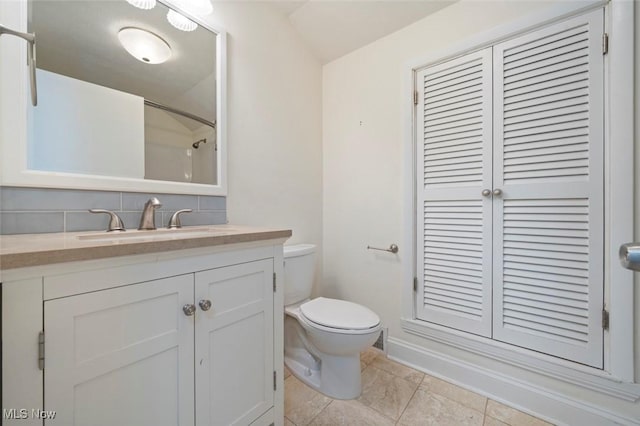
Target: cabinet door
[548, 162]
[453, 119]
[234, 344]
[122, 356]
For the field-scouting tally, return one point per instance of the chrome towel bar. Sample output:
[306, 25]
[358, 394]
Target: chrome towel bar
[393, 248]
[31, 58]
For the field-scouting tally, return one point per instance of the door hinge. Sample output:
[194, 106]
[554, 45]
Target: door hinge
[605, 43]
[41, 350]
[415, 284]
[274, 282]
[275, 386]
[605, 319]
[415, 97]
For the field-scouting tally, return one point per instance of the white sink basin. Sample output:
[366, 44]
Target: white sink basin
[157, 234]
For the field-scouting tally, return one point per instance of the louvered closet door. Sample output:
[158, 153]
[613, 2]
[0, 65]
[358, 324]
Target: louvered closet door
[453, 120]
[548, 161]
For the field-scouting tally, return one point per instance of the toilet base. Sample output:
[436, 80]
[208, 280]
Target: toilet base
[338, 377]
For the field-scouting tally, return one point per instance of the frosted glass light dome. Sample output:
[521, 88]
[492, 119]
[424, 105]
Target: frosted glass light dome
[180, 21]
[143, 45]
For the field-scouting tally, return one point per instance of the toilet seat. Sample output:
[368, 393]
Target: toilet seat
[338, 316]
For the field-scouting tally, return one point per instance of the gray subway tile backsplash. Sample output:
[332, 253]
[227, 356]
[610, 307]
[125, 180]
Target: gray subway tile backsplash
[83, 221]
[212, 203]
[31, 222]
[41, 210]
[40, 199]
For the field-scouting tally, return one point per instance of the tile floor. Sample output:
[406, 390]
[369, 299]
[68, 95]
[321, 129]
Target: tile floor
[393, 394]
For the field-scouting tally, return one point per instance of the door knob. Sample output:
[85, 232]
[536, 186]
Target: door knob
[189, 309]
[486, 192]
[630, 256]
[205, 305]
[497, 192]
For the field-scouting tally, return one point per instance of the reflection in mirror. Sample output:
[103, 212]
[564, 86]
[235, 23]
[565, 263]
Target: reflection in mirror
[178, 148]
[117, 101]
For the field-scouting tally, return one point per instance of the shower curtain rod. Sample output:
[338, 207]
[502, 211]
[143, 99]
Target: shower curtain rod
[179, 112]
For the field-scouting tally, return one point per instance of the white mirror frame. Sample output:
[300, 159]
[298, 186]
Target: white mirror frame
[14, 101]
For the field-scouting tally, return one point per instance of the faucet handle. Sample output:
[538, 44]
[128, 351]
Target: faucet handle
[115, 223]
[174, 222]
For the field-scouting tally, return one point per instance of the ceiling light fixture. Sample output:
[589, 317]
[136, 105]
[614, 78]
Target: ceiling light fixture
[143, 45]
[180, 21]
[143, 4]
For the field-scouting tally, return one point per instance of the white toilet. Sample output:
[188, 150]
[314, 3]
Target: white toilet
[323, 337]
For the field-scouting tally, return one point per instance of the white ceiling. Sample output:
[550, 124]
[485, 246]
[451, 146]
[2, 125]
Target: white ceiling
[333, 28]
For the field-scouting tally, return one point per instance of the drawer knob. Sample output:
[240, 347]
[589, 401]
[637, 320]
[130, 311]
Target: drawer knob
[189, 309]
[205, 305]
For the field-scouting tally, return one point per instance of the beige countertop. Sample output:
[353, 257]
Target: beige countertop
[19, 251]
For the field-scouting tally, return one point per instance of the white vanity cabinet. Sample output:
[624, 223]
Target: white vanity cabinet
[121, 356]
[150, 340]
[234, 344]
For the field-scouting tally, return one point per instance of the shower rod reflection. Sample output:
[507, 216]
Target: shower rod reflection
[180, 112]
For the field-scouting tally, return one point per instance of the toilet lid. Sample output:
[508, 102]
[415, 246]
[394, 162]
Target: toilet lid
[339, 314]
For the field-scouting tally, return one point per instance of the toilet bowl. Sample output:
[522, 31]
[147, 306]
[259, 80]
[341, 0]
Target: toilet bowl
[323, 337]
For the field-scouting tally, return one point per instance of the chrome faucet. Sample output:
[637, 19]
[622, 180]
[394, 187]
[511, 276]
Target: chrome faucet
[148, 218]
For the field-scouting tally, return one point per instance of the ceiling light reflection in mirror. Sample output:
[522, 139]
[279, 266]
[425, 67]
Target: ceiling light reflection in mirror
[181, 22]
[143, 4]
[195, 7]
[144, 45]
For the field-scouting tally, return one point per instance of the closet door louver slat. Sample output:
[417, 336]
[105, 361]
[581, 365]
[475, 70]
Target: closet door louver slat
[548, 223]
[453, 124]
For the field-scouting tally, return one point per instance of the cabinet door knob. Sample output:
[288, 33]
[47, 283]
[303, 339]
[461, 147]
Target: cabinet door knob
[486, 192]
[189, 309]
[497, 192]
[205, 305]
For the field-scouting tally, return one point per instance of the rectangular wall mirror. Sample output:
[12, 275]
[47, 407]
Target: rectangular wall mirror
[128, 98]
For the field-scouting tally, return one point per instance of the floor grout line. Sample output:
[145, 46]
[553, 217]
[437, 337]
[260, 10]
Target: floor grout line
[484, 413]
[408, 402]
[321, 411]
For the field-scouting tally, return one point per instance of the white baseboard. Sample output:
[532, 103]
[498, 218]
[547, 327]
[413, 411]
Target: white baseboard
[527, 397]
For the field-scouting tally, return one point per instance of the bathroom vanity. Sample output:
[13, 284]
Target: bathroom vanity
[149, 329]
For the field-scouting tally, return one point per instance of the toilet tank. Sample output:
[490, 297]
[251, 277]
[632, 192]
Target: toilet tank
[299, 269]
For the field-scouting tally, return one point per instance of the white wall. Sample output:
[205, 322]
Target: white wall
[162, 128]
[81, 127]
[274, 122]
[364, 100]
